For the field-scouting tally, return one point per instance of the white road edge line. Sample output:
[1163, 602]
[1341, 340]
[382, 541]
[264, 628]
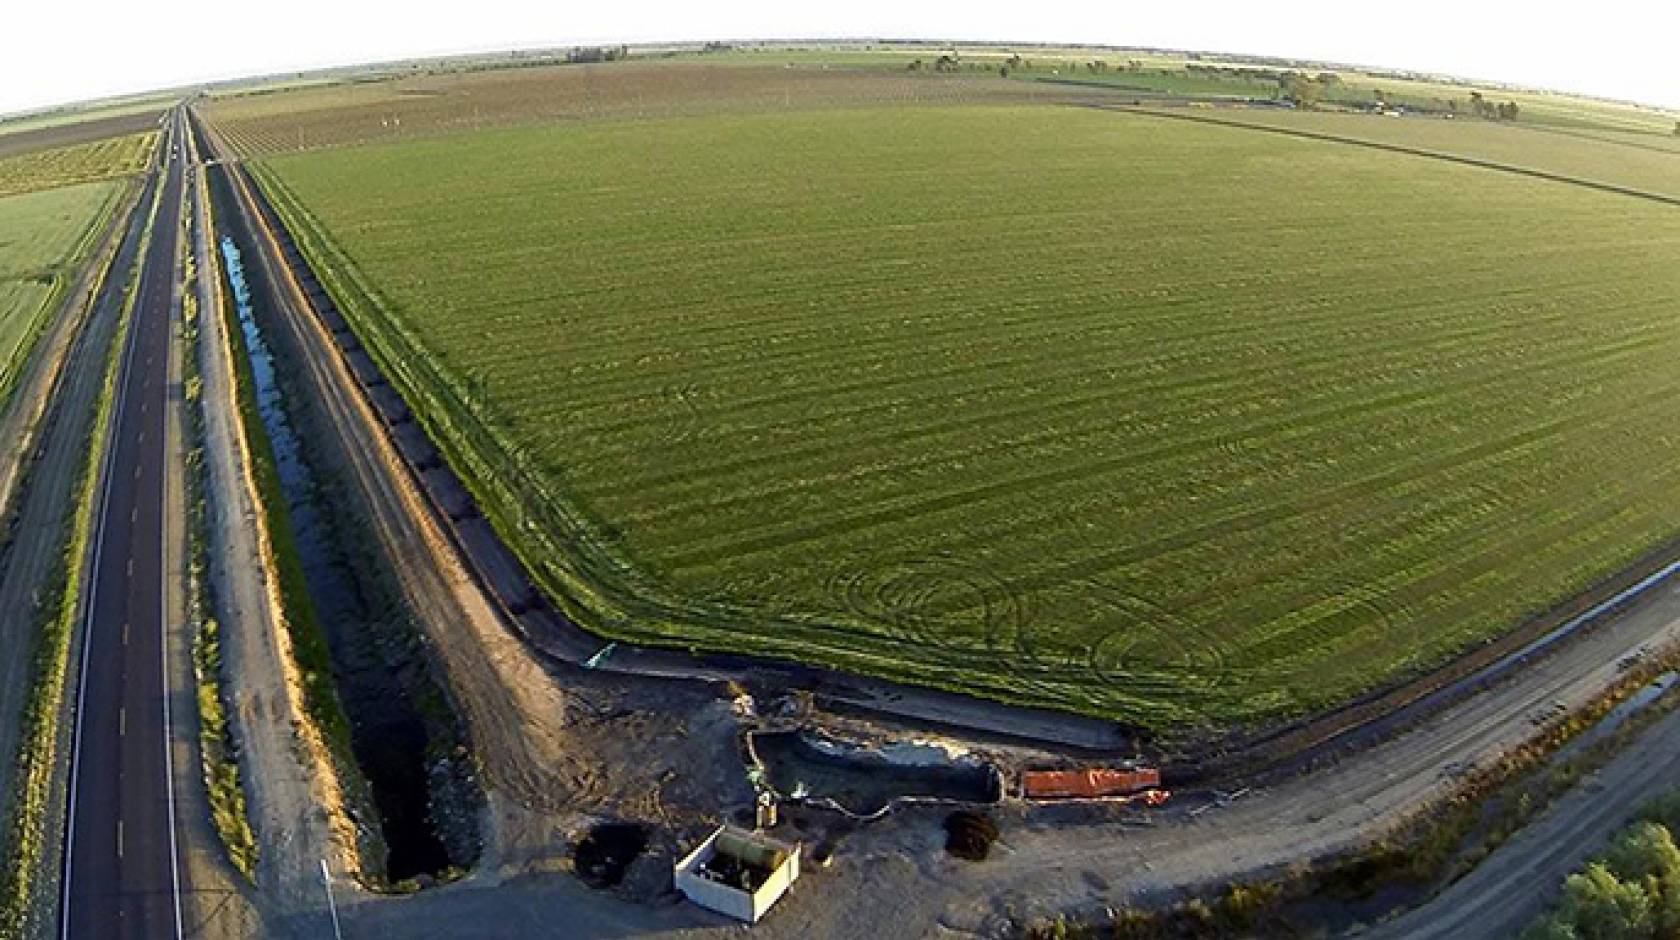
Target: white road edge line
[163, 550]
[87, 615]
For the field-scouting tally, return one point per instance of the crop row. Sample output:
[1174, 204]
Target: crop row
[44, 237]
[78, 163]
[1166, 422]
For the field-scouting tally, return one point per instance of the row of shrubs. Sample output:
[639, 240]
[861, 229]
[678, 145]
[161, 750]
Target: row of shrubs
[1630, 891]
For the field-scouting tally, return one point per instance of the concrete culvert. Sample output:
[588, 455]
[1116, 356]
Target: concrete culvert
[603, 855]
[970, 834]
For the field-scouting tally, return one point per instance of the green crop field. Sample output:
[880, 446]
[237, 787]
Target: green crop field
[1181, 424]
[78, 163]
[40, 235]
[1633, 161]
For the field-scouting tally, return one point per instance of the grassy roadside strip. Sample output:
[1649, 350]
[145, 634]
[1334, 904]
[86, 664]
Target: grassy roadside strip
[307, 646]
[1422, 853]
[37, 757]
[85, 243]
[217, 748]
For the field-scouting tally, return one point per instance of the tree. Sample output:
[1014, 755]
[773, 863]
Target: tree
[1598, 904]
[1646, 854]
[1478, 104]
[1677, 128]
[1300, 89]
[1645, 851]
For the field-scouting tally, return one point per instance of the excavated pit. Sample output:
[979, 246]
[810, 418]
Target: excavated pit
[867, 781]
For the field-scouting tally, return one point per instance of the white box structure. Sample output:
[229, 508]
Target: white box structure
[737, 873]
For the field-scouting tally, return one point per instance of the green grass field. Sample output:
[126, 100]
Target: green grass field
[78, 163]
[150, 105]
[1179, 424]
[40, 235]
[1637, 162]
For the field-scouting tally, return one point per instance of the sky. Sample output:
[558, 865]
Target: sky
[71, 50]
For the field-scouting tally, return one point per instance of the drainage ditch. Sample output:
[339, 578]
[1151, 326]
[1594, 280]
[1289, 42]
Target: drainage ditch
[404, 735]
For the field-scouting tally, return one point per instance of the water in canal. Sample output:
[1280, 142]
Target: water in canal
[388, 735]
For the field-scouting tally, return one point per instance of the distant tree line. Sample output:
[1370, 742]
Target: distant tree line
[1483, 108]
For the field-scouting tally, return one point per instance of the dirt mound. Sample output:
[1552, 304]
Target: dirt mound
[606, 852]
[970, 834]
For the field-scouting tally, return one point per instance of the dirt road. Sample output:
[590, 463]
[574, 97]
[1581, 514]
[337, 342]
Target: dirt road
[1515, 883]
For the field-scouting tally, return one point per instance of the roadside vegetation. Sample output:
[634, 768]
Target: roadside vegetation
[1630, 892]
[1022, 414]
[43, 726]
[218, 749]
[79, 163]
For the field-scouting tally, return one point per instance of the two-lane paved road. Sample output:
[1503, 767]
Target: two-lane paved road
[120, 873]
